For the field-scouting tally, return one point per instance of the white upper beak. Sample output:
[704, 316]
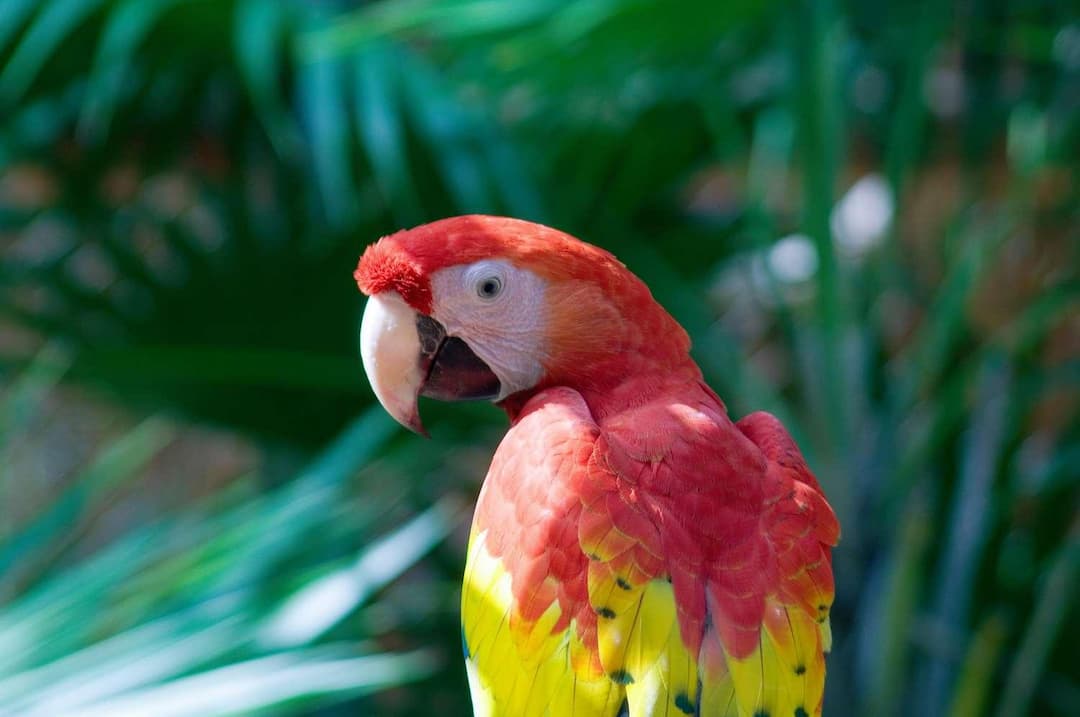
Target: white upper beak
[390, 349]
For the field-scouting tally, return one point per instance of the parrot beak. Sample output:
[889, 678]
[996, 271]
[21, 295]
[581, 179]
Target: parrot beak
[407, 355]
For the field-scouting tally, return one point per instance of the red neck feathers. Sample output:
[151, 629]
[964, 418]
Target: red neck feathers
[611, 342]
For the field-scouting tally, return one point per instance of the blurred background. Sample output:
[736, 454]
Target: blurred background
[864, 213]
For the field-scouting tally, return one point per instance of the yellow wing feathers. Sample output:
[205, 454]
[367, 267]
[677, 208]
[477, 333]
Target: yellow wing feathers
[530, 668]
[785, 675]
[640, 646]
[519, 668]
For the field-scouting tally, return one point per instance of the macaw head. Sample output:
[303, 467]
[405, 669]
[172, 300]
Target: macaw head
[491, 308]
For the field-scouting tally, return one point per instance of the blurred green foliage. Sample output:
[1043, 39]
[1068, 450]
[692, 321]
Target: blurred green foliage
[864, 213]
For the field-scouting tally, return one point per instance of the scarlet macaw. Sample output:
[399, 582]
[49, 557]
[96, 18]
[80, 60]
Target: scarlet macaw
[633, 552]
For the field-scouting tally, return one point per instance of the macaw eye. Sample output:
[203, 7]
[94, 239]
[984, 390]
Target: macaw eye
[489, 287]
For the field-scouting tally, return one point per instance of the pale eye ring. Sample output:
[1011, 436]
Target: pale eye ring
[489, 287]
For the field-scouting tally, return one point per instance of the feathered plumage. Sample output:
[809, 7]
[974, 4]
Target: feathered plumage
[634, 551]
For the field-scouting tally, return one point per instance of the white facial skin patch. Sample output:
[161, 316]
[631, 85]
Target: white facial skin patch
[497, 309]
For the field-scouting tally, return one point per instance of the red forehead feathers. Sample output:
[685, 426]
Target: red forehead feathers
[384, 267]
